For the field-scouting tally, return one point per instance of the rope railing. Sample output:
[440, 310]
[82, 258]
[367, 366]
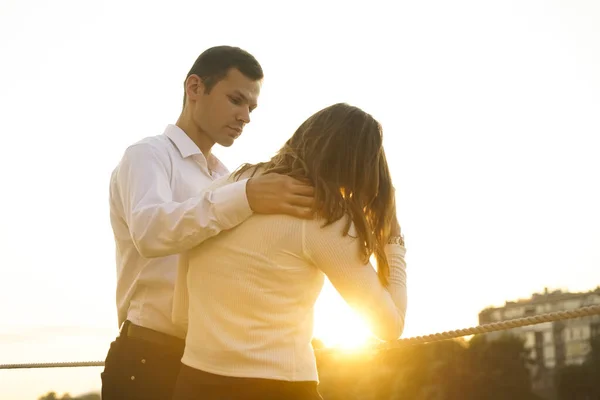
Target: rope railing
[484, 328]
[53, 365]
[498, 326]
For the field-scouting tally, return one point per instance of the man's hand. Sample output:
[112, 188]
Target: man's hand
[280, 194]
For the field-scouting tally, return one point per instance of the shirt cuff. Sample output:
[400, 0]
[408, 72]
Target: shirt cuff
[231, 205]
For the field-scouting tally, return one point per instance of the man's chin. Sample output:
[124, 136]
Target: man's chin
[226, 142]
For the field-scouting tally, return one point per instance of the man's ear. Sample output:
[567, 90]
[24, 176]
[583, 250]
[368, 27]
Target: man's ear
[194, 87]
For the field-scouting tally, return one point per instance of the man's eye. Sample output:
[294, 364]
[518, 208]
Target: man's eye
[235, 101]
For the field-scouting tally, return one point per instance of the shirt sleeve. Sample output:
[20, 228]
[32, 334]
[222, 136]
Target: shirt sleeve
[340, 258]
[160, 226]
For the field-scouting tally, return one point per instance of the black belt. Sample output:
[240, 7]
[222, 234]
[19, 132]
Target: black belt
[133, 331]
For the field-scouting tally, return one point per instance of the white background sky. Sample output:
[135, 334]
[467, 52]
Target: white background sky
[491, 116]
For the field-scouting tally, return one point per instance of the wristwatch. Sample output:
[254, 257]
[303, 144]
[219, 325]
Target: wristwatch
[396, 240]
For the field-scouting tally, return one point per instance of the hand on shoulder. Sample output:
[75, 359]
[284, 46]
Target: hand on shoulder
[273, 193]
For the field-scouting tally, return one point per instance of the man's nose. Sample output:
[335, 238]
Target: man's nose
[244, 116]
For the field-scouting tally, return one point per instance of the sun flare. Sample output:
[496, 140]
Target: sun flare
[336, 324]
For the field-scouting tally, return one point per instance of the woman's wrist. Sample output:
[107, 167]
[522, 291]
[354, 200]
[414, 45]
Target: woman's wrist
[396, 239]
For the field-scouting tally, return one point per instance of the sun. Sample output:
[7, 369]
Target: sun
[349, 338]
[336, 324]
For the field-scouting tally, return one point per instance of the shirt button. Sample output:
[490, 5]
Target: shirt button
[143, 361]
[133, 378]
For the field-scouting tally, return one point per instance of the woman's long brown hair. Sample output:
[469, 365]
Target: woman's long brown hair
[340, 150]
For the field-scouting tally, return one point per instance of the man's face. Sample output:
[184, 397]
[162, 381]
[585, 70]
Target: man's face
[223, 113]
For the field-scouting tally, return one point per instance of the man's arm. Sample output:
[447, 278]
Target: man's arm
[160, 226]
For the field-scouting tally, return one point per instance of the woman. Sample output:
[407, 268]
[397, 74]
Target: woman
[252, 289]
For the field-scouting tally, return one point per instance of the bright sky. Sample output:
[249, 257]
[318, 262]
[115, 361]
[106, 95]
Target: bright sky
[491, 121]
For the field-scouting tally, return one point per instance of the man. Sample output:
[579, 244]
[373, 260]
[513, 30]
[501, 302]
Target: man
[159, 208]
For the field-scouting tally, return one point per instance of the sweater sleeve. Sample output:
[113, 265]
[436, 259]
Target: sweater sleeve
[340, 259]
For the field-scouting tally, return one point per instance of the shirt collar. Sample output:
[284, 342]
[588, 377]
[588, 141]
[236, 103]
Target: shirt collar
[182, 141]
[187, 148]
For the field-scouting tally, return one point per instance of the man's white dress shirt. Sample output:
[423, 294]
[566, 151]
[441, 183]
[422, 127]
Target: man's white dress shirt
[159, 207]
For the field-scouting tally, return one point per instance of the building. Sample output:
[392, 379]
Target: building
[551, 345]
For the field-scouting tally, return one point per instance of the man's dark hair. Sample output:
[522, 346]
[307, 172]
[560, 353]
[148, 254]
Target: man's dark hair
[214, 63]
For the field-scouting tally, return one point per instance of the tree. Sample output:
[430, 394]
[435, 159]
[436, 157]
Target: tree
[67, 396]
[445, 370]
[499, 368]
[49, 396]
[572, 383]
[581, 382]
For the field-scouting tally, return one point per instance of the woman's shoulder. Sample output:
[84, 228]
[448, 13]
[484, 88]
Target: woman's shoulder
[342, 229]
